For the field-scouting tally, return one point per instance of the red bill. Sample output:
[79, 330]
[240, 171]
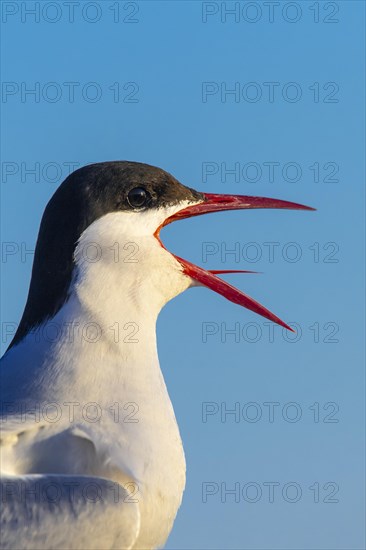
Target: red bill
[217, 203]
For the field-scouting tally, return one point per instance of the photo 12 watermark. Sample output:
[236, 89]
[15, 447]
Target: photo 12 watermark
[252, 492]
[271, 252]
[69, 92]
[270, 11]
[74, 12]
[254, 332]
[66, 412]
[92, 252]
[215, 92]
[53, 172]
[74, 332]
[271, 412]
[270, 171]
[66, 489]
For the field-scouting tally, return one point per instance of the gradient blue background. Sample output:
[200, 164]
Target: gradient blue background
[169, 52]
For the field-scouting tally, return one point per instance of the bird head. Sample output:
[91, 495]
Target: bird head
[100, 237]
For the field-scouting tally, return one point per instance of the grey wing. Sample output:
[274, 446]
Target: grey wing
[49, 512]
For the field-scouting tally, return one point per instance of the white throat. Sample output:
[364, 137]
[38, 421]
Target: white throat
[123, 270]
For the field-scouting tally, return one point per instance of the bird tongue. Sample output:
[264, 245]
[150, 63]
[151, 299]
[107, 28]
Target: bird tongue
[216, 203]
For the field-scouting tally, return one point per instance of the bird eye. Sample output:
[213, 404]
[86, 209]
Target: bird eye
[138, 197]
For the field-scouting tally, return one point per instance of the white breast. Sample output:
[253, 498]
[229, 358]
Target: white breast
[105, 354]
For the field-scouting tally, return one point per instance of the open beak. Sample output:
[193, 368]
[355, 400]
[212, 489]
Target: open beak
[216, 203]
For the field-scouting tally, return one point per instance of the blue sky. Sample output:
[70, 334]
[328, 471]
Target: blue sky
[276, 96]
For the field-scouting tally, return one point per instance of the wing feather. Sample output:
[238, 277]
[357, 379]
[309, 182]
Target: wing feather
[54, 512]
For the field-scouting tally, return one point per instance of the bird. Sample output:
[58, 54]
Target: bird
[91, 453]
